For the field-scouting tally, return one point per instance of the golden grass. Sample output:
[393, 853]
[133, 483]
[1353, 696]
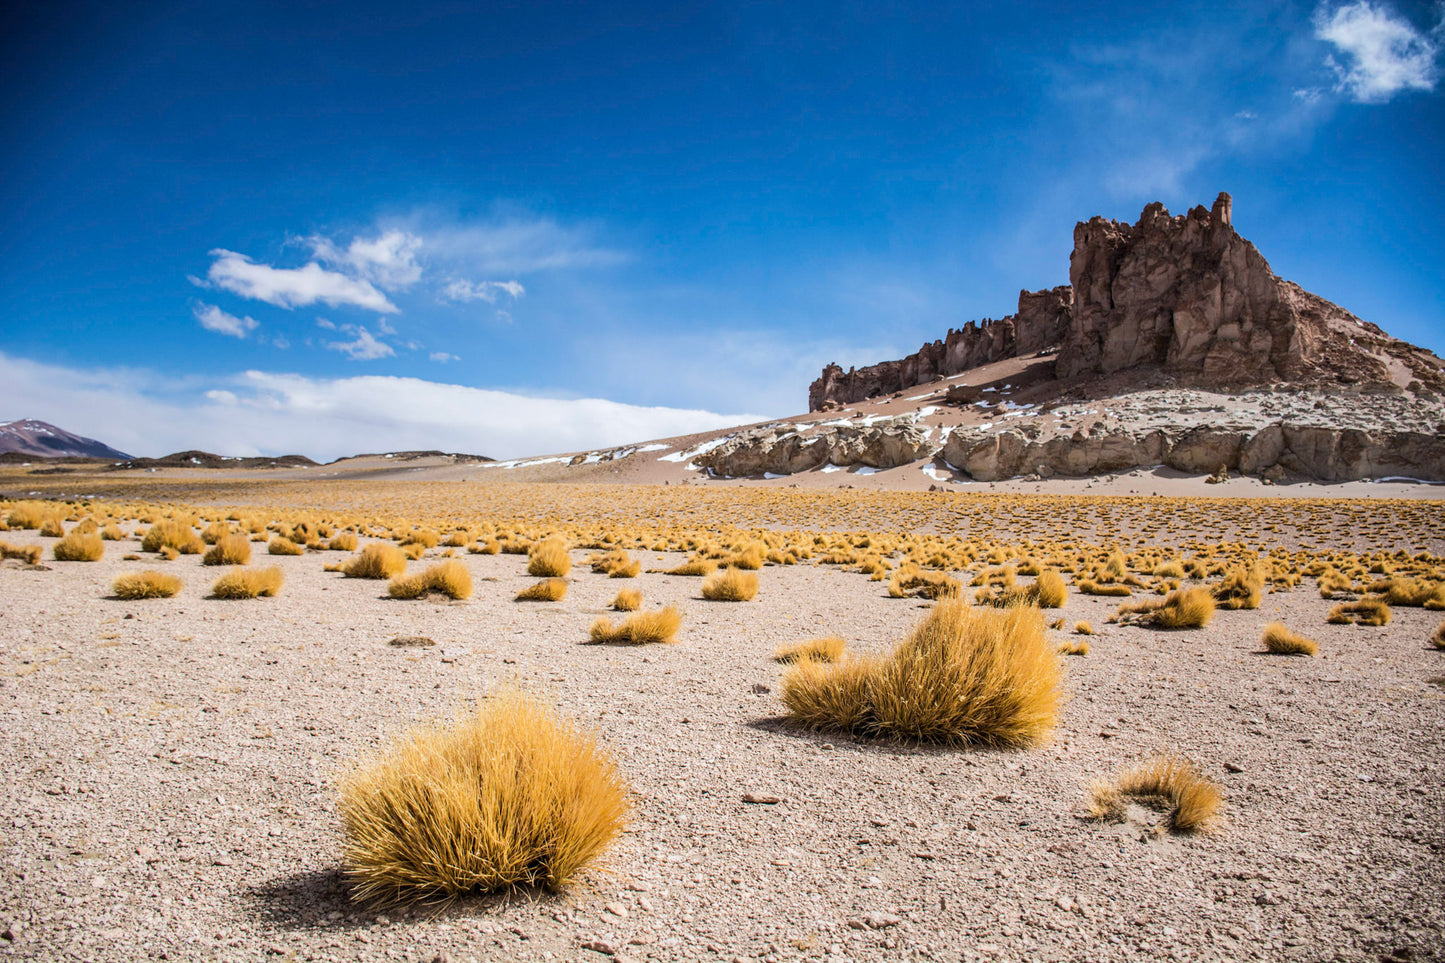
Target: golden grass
[615, 564]
[698, 567]
[280, 545]
[731, 585]
[1190, 608]
[1048, 591]
[172, 533]
[1170, 569]
[1169, 782]
[1411, 592]
[1083, 628]
[751, 557]
[27, 515]
[52, 527]
[547, 590]
[513, 795]
[29, 554]
[1367, 611]
[1241, 588]
[145, 585]
[450, 578]
[909, 580]
[963, 676]
[1073, 647]
[641, 628]
[112, 533]
[627, 600]
[245, 583]
[1090, 587]
[549, 559]
[376, 560]
[228, 550]
[342, 542]
[79, 547]
[1437, 638]
[829, 648]
[1281, 641]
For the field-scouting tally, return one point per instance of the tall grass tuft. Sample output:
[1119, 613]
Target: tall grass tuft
[79, 547]
[514, 794]
[1367, 611]
[376, 560]
[1241, 588]
[1437, 638]
[450, 578]
[627, 600]
[1169, 782]
[964, 676]
[641, 628]
[1281, 641]
[228, 550]
[549, 559]
[245, 583]
[145, 585]
[731, 585]
[547, 590]
[172, 533]
[829, 648]
[1190, 608]
[29, 554]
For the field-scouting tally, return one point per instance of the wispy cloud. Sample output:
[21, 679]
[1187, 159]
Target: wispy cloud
[213, 318]
[443, 357]
[388, 260]
[364, 347]
[258, 413]
[462, 290]
[1382, 53]
[514, 246]
[292, 287]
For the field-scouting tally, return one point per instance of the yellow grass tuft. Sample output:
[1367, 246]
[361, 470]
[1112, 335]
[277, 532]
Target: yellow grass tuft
[228, 550]
[964, 676]
[245, 583]
[1281, 641]
[696, 568]
[627, 600]
[1169, 782]
[79, 547]
[27, 515]
[515, 794]
[1437, 638]
[1367, 611]
[909, 580]
[616, 564]
[145, 585]
[1047, 592]
[1190, 608]
[112, 533]
[731, 585]
[1073, 647]
[641, 628]
[52, 527]
[172, 533]
[1411, 592]
[342, 542]
[1241, 589]
[1090, 587]
[751, 557]
[549, 558]
[547, 590]
[29, 554]
[450, 578]
[1083, 628]
[281, 545]
[376, 560]
[829, 648]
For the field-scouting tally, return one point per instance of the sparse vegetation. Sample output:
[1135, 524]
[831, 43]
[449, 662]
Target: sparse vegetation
[172, 533]
[29, 554]
[730, 585]
[829, 648]
[1073, 647]
[1281, 641]
[79, 547]
[228, 550]
[549, 559]
[1437, 638]
[627, 600]
[245, 583]
[145, 585]
[547, 590]
[1367, 611]
[640, 628]
[376, 560]
[1167, 782]
[1083, 628]
[513, 795]
[449, 578]
[1190, 608]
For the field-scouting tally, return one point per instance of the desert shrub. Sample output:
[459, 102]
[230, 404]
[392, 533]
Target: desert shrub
[1167, 782]
[168, 553]
[112, 533]
[1241, 588]
[751, 557]
[730, 585]
[228, 550]
[172, 533]
[1281, 641]
[627, 600]
[1437, 638]
[1332, 582]
[1047, 592]
[490, 547]
[245, 583]
[215, 531]
[29, 554]
[549, 559]
[27, 515]
[910, 580]
[829, 648]
[281, 545]
[376, 560]
[1073, 647]
[456, 539]
[1083, 628]
[145, 585]
[1170, 569]
[424, 537]
[450, 578]
[1191, 608]
[697, 567]
[1090, 587]
[963, 676]
[52, 527]
[342, 542]
[640, 628]
[79, 547]
[547, 590]
[616, 564]
[1367, 611]
[514, 794]
[1411, 592]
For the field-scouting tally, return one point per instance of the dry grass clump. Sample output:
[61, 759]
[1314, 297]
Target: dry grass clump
[1073, 647]
[247, 583]
[112, 533]
[547, 590]
[1367, 611]
[376, 560]
[27, 515]
[145, 585]
[1083, 628]
[1241, 589]
[549, 559]
[910, 580]
[695, 568]
[963, 676]
[829, 648]
[29, 554]
[627, 600]
[1411, 592]
[731, 585]
[342, 542]
[228, 550]
[280, 545]
[1281, 641]
[1170, 569]
[172, 533]
[1437, 638]
[750, 557]
[1190, 608]
[615, 564]
[1090, 587]
[52, 527]
[1168, 782]
[641, 628]
[79, 547]
[1048, 591]
[450, 578]
[515, 794]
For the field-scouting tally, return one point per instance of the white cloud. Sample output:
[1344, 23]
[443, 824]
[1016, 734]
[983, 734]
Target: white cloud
[463, 290]
[213, 318]
[364, 348]
[387, 260]
[521, 245]
[261, 413]
[443, 357]
[292, 287]
[1383, 52]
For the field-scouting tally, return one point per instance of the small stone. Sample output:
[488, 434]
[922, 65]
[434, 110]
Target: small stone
[598, 946]
[1233, 767]
[442, 956]
[13, 931]
[411, 640]
[223, 861]
[761, 800]
[616, 909]
[638, 886]
[878, 921]
[761, 689]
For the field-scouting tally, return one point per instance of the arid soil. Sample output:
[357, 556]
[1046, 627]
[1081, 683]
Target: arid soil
[171, 771]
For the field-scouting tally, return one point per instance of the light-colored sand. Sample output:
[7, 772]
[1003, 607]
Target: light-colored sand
[171, 767]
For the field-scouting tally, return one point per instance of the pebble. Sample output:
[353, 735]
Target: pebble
[599, 946]
[616, 909]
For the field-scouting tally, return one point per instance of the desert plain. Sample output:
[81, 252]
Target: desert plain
[173, 763]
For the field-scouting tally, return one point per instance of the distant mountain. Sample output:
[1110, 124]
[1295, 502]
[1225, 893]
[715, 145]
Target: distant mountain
[205, 459]
[40, 439]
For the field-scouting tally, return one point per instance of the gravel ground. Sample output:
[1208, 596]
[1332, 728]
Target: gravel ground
[171, 769]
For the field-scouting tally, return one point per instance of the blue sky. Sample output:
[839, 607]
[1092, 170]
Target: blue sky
[325, 228]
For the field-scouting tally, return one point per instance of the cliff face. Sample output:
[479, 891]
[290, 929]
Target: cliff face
[1185, 296]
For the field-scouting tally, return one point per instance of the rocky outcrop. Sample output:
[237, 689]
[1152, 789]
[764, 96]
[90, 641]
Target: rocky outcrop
[785, 450]
[1184, 296]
